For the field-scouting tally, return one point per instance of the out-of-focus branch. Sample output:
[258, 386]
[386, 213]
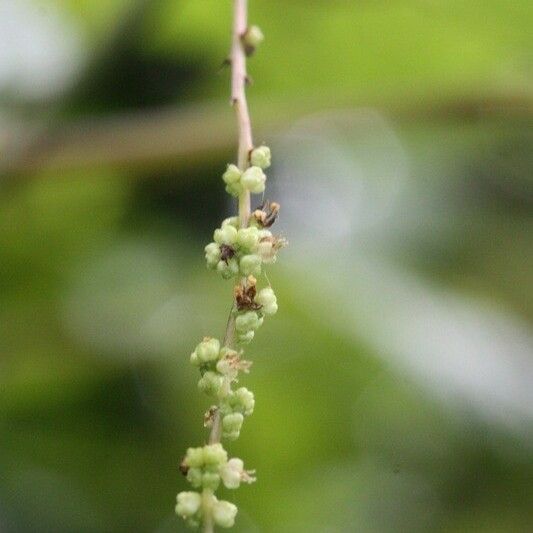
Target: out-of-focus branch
[182, 137]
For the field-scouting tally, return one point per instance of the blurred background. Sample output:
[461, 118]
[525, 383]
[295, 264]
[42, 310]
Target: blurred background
[395, 386]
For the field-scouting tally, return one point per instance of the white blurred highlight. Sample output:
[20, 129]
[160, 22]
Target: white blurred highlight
[346, 191]
[40, 52]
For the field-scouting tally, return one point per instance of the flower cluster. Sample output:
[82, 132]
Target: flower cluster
[253, 179]
[241, 248]
[243, 251]
[237, 252]
[219, 368]
[250, 309]
[205, 468]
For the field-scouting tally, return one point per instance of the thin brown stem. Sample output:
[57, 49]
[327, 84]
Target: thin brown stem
[238, 98]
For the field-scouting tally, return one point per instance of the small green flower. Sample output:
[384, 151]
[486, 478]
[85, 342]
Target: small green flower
[210, 383]
[268, 300]
[228, 269]
[194, 477]
[224, 513]
[188, 504]
[254, 180]
[234, 189]
[247, 321]
[246, 338]
[261, 157]
[204, 465]
[232, 221]
[232, 175]
[243, 400]
[194, 458]
[253, 37]
[225, 235]
[247, 239]
[208, 350]
[231, 425]
[210, 480]
[215, 454]
[250, 265]
[212, 255]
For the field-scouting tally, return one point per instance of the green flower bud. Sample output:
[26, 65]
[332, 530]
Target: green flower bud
[208, 350]
[210, 480]
[268, 300]
[253, 37]
[261, 157]
[188, 504]
[229, 269]
[266, 296]
[243, 400]
[212, 254]
[234, 189]
[254, 180]
[232, 221]
[210, 383]
[232, 175]
[250, 265]
[246, 321]
[224, 513]
[194, 458]
[194, 477]
[246, 338]
[247, 238]
[225, 235]
[231, 473]
[232, 422]
[215, 454]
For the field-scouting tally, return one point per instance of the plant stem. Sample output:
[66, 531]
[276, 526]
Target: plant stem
[207, 504]
[239, 79]
[238, 98]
